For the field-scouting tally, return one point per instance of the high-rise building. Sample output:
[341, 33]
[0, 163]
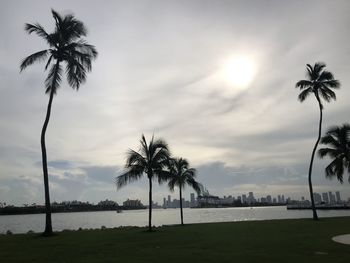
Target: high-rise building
[317, 198]
[269, 199]
[337, 195]
[251, 198]
[244, 199]
[331, 197]
[279, 199]
[325, 198]
[192, 200]
[282, 199]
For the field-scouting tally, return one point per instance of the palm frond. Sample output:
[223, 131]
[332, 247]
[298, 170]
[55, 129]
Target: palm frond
[73, 28]
[194, 184]
[335, 84]
[49, 61]
[40, 31]
[133, 158]
[162, 175]
[326, 76]
[325, 95]
[339, 138]
[327, 151]
[329, 139]
[310, 70]
[304, 94]
[58, 20]
[329, 92]
[85, 48]
[172, 183]
[76, 73]
[132, 174]
[318, 67]
[303, 84]
[335, 169]
[36, 57]
[144, 148]
[54, 78]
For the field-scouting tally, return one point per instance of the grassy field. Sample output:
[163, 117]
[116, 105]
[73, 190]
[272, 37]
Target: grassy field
[284, 241]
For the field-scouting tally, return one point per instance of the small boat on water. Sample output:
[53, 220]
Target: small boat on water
[119, 211]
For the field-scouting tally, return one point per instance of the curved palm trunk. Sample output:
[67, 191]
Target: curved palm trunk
[150, 205]
[48, 224]
[182, 216]
[314, 213]
[48, 221]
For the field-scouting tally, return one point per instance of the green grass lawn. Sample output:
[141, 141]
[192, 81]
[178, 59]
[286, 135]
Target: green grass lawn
[284, 241]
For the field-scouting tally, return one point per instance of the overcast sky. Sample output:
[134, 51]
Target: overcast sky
[159, 71]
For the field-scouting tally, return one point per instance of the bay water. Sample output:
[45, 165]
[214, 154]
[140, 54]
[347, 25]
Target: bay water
[110, 219]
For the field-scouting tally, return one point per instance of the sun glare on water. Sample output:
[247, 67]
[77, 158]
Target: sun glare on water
[240, 71]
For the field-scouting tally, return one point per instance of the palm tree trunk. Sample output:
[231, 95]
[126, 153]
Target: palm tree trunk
[48, 221]
[182, 216]
[48, 224]
[314, 213]
[150, 205]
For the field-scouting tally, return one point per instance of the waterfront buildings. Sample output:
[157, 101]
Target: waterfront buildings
[133, 203]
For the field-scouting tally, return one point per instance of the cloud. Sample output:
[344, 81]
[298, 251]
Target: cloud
[106, 174]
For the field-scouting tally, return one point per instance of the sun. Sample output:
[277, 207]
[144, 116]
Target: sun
[240, 71]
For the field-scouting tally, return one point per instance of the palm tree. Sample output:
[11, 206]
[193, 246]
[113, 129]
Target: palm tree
[338, 138]
[180, 176]
[151, 159]
[320, 83]
[66, 46]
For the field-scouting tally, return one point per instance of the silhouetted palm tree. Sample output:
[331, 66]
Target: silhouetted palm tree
[338, 138]
[151, 159]
[180, 176]
[65, 46]
[319, 82]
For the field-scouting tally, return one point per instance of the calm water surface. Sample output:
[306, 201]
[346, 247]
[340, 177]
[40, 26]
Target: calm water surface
[24, 223]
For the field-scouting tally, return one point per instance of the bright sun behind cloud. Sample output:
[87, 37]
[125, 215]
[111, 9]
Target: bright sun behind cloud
[240, 71]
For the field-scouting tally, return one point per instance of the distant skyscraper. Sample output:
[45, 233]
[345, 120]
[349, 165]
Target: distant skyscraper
[269, 199]
[283, 201]
[331, 197]
[317, 198]
[337, 195]
[244, 199]
[279, 199]
[192, 198]
[251, 198]
[169, 204]
[325, 198]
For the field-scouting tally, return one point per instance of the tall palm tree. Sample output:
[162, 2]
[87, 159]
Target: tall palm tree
[320, 83]
[66, 46]
[151, 159]
[338, 138]
[180, 176]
